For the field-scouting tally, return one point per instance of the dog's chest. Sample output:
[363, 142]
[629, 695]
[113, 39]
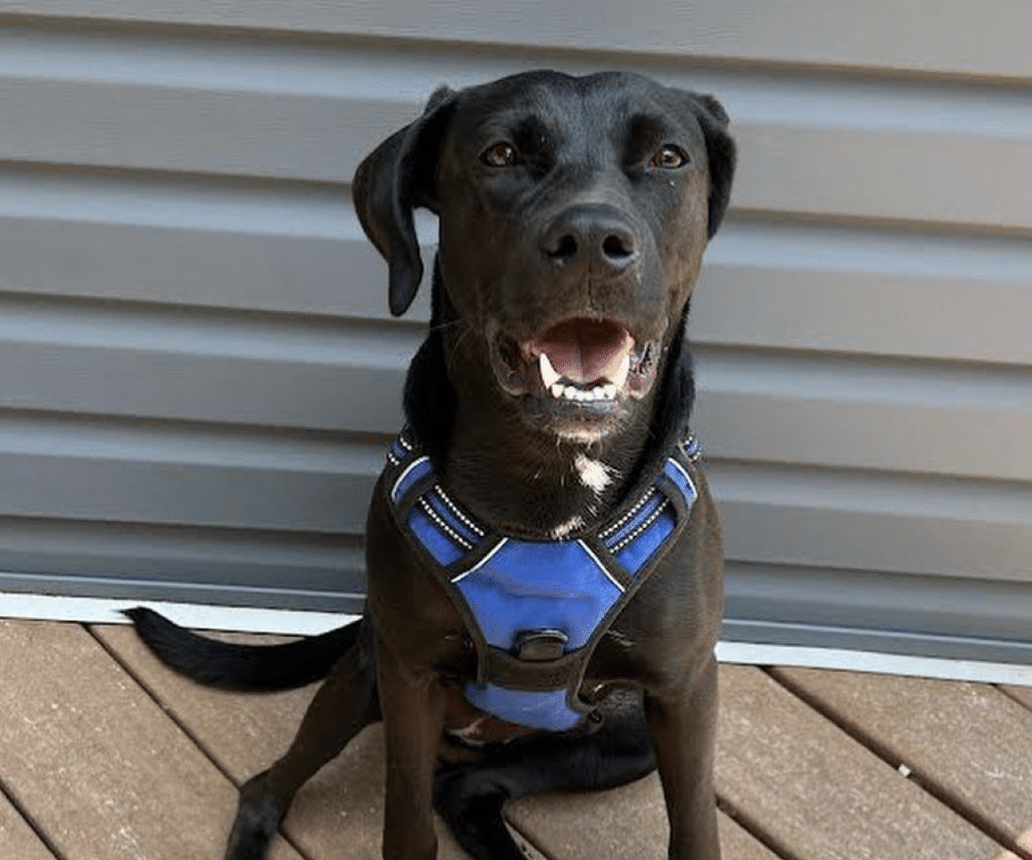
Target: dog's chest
[536, 609]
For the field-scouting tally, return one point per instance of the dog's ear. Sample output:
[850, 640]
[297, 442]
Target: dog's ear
[392, 181]
[720, 153]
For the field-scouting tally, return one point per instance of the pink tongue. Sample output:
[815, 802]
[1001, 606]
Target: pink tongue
[585, 351]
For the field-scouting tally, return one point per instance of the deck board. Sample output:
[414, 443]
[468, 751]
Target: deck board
[243, 732]
[110, 755]
[926, 725]
[820, 795]
[342, 805]
[626, 823]
[94, 761]
[17, 837]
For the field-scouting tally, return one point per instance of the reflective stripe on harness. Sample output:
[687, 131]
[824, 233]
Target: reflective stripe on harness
[536, 609]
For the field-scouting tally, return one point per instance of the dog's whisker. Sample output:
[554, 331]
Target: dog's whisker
[441, 326]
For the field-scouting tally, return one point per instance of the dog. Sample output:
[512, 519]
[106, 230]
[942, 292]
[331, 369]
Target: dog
[544, 557]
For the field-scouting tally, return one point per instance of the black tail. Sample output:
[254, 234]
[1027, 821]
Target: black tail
[242, 667]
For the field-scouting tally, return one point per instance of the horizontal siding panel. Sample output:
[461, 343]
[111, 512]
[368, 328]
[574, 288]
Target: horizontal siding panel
[802, 517]
[874, 292]
[851, 148]
[801, 295]
[202, 388]
[948, 36]
[785, 515]
[186, 202]
[233, 133]
[763, 285]
[925, 615]
[108, 557]
[923, 156]
[777, 406]
[240, 371]
[283, 248]
[196, 476]
[864, 173]
[206, 268]
[842, 412]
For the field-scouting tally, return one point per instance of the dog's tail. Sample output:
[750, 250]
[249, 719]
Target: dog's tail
[242, 667]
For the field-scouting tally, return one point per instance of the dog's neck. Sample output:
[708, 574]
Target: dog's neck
[528, 483]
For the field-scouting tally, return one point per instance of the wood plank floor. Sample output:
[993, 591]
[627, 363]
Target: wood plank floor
[106, 755]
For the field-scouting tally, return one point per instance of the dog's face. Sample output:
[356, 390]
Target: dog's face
[573, 217]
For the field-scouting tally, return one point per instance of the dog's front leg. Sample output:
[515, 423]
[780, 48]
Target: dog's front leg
[683, 724]
[412, 702]
[343, 706]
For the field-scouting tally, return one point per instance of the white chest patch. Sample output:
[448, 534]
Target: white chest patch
[593, 474]
[563, 529]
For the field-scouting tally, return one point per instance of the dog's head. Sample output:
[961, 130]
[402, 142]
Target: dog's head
[573, 216]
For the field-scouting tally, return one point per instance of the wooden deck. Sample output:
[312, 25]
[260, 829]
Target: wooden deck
[106, 755]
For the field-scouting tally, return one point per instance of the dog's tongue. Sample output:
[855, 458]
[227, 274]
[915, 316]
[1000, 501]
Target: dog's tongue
[585, 351]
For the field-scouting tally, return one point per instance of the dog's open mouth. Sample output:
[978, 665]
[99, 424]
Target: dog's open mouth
[594, 363]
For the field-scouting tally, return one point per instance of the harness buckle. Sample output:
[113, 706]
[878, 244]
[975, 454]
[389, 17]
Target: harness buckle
[540, 646]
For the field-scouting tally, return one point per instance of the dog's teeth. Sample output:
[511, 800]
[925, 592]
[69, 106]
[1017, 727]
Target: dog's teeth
[581, 395]
[549, 375]
[621, 374]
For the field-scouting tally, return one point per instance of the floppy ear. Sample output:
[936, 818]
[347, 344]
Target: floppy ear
[720, 153]
[393, 180]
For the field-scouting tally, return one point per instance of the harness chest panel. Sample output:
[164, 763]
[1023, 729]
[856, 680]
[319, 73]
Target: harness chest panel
[536, 609]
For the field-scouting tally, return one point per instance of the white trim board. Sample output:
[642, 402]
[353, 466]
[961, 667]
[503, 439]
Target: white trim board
[872, 661]
[93, 610]
[98, 610]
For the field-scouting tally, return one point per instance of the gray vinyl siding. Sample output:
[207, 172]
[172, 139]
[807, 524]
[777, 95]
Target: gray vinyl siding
[198, 373]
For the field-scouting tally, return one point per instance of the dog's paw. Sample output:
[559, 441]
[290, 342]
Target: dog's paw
[471, 805]
[258, 816]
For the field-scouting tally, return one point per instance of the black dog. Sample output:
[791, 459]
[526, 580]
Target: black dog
[544, 557]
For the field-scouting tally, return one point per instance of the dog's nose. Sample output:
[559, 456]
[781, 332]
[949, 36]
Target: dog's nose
[596, 237]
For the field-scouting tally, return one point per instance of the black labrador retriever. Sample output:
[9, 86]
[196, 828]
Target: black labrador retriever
[544, 557]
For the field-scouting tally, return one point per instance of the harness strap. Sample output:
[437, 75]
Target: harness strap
[537, 609]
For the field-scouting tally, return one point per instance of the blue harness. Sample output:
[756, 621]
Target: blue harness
[536, 609]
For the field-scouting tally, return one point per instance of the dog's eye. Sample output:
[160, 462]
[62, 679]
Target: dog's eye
[499, 155]
[670, 157]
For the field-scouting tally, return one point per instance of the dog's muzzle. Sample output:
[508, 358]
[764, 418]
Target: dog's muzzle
[592, 363]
